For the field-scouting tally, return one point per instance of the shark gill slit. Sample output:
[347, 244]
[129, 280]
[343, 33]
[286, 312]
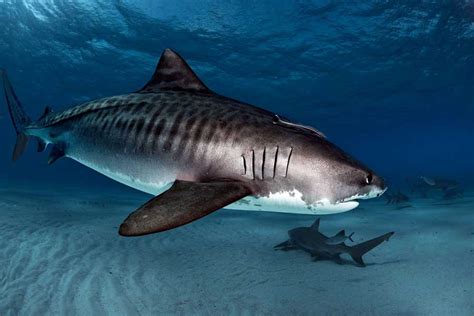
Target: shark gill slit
[253, 164]
[263, 162]
[288, 163]
[275, 162]
[245, 165]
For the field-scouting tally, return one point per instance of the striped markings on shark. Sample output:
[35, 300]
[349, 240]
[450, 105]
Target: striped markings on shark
[197, 152]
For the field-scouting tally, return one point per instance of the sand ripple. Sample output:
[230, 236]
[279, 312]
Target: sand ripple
[63, 256]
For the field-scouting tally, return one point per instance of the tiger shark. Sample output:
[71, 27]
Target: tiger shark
[196, 151]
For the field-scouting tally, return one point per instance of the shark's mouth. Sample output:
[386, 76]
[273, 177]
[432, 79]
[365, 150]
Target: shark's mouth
[350, 203]
[293, 202]
[375, 192]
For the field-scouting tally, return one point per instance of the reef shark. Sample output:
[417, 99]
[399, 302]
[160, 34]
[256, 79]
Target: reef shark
[321, 247]
[197, 151]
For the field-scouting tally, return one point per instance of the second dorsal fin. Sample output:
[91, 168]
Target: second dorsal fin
[173, 73]
[315, 225]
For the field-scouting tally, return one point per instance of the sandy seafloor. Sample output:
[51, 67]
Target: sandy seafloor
[60, 254]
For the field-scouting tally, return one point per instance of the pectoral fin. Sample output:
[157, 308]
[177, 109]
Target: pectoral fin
[184, 202]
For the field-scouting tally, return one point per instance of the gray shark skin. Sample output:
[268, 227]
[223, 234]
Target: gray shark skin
[197, 152]
[311, 240]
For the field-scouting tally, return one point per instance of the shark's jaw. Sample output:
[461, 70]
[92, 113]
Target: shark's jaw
[347, 204]
[293, 202]
[351, 203]
[373, 193]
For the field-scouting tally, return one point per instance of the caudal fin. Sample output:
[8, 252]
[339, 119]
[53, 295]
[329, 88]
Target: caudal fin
[359, 250]
[17, 114]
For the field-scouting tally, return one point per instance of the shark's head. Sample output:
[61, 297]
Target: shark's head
[336, 180]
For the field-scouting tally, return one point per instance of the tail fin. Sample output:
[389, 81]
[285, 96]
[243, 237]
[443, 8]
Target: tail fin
[359, 250]
[18, 115]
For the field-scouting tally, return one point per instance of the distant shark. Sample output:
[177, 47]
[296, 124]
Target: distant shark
[197, 152]
[321, 247]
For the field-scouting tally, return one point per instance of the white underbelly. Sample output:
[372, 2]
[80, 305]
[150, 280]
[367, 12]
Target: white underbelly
[282, 202]
[154, 187]
[290, 202]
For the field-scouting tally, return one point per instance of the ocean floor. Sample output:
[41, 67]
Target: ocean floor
[60, 254]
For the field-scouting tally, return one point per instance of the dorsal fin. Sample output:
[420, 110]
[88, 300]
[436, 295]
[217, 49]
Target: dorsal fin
[341, 233]
[173, 73]
[315, 225]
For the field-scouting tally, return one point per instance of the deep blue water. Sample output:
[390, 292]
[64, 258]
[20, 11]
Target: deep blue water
[390, 82]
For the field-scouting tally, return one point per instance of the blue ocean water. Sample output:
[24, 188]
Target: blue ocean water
[390, 82]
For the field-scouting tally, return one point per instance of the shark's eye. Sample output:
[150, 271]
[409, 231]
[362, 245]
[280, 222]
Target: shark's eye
[368, 179]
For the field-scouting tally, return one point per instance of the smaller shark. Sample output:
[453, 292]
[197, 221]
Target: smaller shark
[311, 240]
[439, 183]
[397, 198]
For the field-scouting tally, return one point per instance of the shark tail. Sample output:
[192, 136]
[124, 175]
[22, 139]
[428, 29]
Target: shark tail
[361, 249]
[18, 116]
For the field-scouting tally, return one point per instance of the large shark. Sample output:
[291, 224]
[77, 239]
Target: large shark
[197, 151]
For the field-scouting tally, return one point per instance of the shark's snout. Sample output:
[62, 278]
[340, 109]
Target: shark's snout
[379, 183]
[374, 186]
[371, 187]
[377, 187]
